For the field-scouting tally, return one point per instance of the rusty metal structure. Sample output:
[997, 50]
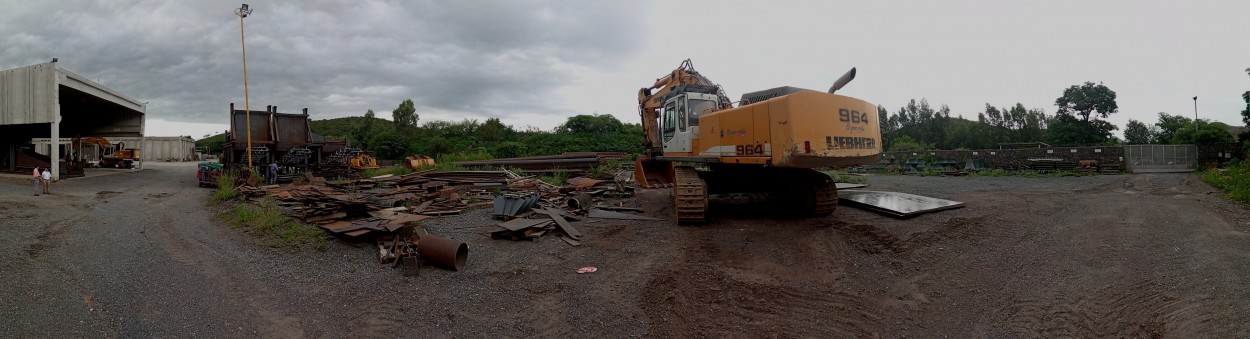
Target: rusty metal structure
[285, 138]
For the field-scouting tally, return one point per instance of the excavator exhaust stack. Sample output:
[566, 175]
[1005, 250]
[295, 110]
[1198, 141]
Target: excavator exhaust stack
[650, 173]
[842, 81]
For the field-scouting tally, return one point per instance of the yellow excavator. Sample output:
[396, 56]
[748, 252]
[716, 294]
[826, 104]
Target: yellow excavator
[112, 155]
[772, 142]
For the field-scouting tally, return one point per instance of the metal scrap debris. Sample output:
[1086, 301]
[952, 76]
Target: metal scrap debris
[604, 214]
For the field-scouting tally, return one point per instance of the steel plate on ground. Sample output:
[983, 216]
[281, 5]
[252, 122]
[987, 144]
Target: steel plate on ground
[896, 204]
[846, 185]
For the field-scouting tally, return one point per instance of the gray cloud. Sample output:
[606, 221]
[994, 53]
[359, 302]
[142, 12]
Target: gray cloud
[336, 57]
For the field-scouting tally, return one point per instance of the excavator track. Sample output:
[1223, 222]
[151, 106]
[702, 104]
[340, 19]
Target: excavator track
[823, 195]
[690, 196]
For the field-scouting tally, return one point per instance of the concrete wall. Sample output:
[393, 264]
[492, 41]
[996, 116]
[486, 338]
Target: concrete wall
[29, 95]
[1218, 155]
[153, 149]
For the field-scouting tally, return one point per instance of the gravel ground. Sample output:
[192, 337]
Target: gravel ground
[140, 255]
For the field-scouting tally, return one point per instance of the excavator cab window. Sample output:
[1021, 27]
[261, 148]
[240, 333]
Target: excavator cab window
[669, 127]
[699, 107]
[681, 113]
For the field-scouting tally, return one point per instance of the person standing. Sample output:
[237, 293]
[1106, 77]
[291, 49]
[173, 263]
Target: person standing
[47, 180]
[273, 173]
[38, 177]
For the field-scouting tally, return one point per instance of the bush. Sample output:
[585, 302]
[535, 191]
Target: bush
[1235, 180]
[396, 170]
[838, 176]
[225, 189]
[274, 228]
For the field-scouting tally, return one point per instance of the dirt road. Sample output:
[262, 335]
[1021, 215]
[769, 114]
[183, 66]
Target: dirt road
[139, 254]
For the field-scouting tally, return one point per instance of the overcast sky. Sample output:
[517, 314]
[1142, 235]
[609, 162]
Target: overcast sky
[535, 63]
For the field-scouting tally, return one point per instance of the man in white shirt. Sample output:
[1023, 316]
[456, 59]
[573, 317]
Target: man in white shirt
[47, 180]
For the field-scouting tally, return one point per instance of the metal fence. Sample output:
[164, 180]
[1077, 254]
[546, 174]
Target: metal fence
[1161, 158]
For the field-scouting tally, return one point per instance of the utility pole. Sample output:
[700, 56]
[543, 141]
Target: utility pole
[243, 12]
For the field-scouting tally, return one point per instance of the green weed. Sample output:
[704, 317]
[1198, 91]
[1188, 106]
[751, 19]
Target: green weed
[225, 189]
[838, 176]
[274, 228]
[396, 170]
[1234, 181]
[557, 178]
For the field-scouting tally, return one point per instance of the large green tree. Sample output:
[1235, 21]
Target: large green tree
[494, 130]
[1207, 132]
[1136, 133]
[364, 130]
[1087, 100]
[1245, 114]
[1068, 130]
[405, 116]
[592, 123]
[1168, 126]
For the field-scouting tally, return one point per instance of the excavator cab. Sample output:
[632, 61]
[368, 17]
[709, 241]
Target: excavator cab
[680, 120]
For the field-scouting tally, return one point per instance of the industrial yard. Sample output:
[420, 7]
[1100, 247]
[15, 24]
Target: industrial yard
[1027, 257]
[555, 169]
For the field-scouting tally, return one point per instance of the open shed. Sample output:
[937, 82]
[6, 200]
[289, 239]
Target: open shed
[46, 101]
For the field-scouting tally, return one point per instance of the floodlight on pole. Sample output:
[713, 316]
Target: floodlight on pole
[243, 12]
[1195, 115]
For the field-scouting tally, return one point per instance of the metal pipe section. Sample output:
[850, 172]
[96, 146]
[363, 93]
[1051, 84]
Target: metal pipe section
[443, 252]
[527, 161]
[581, 201]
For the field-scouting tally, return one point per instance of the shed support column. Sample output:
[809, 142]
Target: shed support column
[55, 149]
[143, 137]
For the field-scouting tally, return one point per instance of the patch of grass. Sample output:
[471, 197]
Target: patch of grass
[274, 228]
[1234, 180]
[1024, 173]
[606, 167]
[396, 170]
[225, 189]
[992, 172]
[557, 178]
[839, 176]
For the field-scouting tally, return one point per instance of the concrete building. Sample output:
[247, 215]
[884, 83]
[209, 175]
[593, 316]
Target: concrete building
[46, 101]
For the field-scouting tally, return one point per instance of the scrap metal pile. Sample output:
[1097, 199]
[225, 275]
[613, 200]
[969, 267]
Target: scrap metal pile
[387, 208]
[565, 162]
[361, 207]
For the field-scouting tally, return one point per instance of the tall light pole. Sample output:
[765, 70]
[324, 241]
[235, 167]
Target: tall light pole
[243, 12]
[1195, 115]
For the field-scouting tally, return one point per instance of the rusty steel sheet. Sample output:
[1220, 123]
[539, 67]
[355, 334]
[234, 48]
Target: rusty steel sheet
[563, 224]
[291, 130]
[443, 252]
[847, 186]
[604, 214]
[896, 204]
[518, 224]
[262, 130]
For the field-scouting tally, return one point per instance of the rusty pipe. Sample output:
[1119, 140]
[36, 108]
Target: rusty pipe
[443, 252]
[581, 201]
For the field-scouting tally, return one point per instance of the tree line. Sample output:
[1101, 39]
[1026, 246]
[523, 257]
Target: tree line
[404, 135]
[918, 125]
[1078, 121]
